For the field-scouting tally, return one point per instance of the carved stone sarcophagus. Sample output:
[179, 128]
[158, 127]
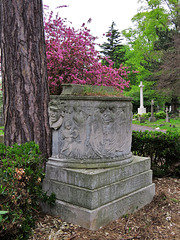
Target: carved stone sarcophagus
[90, 132]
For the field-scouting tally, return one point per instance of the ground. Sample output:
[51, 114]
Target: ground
[158, 220]
[144, 128]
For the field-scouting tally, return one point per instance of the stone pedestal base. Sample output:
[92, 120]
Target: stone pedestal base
[152, 119]
[94, 197]
[141, 119]
[167, 119]
[141, 110]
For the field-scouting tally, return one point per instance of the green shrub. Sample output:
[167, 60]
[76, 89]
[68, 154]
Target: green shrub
[21, 177]
[2, 213]
[160, 115]
[146, 115]
[136, 116]
[162, 148]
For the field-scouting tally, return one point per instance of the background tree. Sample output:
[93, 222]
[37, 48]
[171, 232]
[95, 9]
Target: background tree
[24, 74]
[156, 22]
[72, 58]
[169, 71]
[113, 48]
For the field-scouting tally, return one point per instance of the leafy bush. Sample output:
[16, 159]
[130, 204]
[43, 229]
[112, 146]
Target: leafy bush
[162, 148]
[160, 115]
[136, 116]
[21, 191]
[2, 213]
[146, 115]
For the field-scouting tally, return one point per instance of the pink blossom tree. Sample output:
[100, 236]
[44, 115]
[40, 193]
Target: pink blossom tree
[72, 58]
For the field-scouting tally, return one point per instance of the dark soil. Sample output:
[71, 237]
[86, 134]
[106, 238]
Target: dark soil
[158, 220]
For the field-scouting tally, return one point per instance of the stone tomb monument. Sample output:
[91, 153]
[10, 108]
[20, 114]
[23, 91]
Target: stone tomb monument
[92, 171]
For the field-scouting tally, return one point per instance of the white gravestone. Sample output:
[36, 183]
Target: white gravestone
[142, 109]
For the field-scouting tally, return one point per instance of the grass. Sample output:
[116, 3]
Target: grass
[100, 91]
[160, 123]
[1, 130]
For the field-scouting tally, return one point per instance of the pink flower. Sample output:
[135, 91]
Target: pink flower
[72, 57]
[89, 20]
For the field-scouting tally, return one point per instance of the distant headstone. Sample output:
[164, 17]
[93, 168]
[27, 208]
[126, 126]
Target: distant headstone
[167, 117]
[141, 119]
[173, 115]
[141, 110]
[158, 108]
[152, 118]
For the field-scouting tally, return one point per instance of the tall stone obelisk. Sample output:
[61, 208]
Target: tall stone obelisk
[142, 109]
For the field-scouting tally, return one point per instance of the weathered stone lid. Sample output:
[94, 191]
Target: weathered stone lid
[72, 89]
[90, 92]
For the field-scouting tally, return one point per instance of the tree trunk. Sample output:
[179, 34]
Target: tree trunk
[24, 74]
[0, 27]
[174, 105]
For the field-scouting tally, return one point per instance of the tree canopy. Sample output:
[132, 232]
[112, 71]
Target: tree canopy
[113, 47]
[154, 48]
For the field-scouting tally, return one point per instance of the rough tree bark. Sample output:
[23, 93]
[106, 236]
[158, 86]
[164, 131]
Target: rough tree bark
[24, 74]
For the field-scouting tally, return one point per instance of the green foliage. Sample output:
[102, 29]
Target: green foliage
[162, 148]
[113, 48]
[2, 213]
[158, 115]
[156, 22]
[136, 116]
[164, 39]
[21, 177]
[148, 94]
[146, 115]
[90, 90]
